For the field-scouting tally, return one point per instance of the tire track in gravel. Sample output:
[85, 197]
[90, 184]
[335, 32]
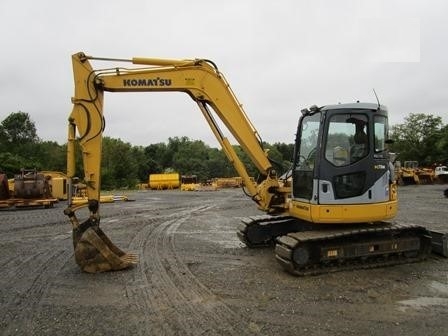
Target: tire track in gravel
[170, 299]
[36, 215]
[24, 284]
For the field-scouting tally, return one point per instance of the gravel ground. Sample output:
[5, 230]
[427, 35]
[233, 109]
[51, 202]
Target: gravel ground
[195, 277]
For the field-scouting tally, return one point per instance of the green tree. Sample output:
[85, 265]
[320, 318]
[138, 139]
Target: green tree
[277, 158]
[286, 150]
[417, 138]
[218, 165]
[119, 168]
[247, 162]
[18, 128]
[442, 146]
[191, 158]
[18, 141]
[49, 155]
[11, 163]
[138, 154]
[156, 158]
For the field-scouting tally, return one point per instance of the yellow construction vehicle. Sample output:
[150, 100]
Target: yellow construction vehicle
[189, 183]
[412, 173]
[58, 183]
[332, 215]
[228, 182]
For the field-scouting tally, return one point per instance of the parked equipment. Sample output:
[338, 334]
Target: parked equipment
[164, 181]
[441, 174]
[29, 189]
[332, 216]
[189, 183]
[407, 174]
[58, 183]
[412, 173]
[228, 182]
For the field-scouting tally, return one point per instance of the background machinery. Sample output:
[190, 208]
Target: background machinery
[189, 183]
[412, 173]
[441, 174]
[58, 183]
[29, 188]
[164, 181]
[332, 215]
[228, 182]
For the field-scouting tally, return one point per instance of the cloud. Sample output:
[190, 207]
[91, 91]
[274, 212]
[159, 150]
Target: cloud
[278, 57]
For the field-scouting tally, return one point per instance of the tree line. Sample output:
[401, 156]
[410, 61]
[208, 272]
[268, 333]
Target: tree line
[122, 164]
[422, 138]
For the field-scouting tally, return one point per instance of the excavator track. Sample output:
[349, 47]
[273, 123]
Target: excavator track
[358, 247]
[259, 231]
[306, 249]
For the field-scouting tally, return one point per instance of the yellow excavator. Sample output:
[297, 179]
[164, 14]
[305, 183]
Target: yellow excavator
[328, 213]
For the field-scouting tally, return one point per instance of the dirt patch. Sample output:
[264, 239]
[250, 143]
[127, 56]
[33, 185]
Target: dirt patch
[195, 277]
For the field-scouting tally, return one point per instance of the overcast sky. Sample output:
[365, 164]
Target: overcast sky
[279, 57]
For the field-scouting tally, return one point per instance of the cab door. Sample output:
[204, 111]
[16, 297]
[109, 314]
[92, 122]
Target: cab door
[353, 166]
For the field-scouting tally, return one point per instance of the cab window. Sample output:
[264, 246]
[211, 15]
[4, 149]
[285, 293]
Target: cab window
[347, 139]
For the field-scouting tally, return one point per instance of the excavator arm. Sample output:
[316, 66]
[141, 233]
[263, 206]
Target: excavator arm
[203, 82]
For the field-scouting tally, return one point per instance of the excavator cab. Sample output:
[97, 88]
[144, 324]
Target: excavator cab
[336, 148]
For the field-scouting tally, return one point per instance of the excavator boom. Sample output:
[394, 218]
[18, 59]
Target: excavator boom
[203, 82]
[200, 79]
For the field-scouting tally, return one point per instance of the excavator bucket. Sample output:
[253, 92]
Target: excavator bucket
[94, 251]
